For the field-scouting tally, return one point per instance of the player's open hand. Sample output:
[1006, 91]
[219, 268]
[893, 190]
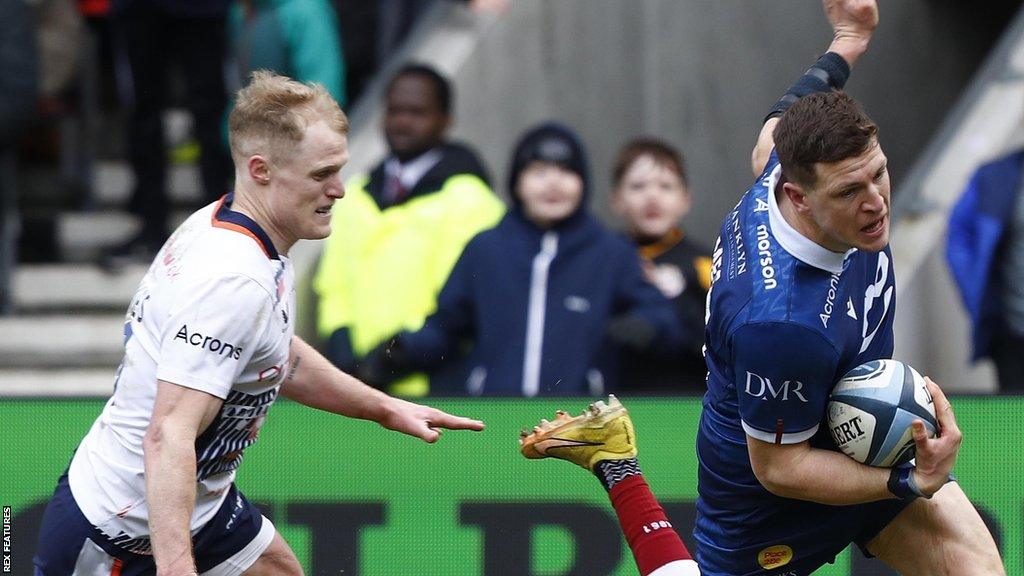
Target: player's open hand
[423, 421]
[936, 456]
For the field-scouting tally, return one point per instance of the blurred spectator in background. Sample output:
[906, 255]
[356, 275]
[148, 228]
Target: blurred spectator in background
[538, 294]
[19, 81]
[650, 194]
[357, 23]
[60, 28]
[985, 251]
[401, 227]
[154, 34]
[296, 38]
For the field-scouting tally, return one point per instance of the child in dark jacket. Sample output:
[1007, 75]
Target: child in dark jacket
[651, 195]
[539, 295]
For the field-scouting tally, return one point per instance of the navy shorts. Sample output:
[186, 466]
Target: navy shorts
[69, 545]
[795, 540]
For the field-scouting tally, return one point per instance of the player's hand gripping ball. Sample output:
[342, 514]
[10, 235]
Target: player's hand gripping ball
[871, 409]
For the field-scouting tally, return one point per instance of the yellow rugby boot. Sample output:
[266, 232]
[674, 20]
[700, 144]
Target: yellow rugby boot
[602, 432]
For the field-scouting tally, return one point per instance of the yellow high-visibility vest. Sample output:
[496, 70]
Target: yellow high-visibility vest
[381, 270]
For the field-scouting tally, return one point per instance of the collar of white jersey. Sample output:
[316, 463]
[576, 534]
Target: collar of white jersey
[225, 217]
[801, 247]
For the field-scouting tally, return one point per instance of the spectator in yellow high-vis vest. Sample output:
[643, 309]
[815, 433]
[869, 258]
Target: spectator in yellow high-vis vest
[400, 228]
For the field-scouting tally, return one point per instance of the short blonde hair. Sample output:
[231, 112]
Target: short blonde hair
[272, 113]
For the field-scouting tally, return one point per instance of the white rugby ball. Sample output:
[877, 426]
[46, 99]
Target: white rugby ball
[871, 409]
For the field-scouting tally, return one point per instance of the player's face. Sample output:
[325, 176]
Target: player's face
[306, 184]
[849, 205]
[413, 119]
[549, 193]
[651, 198]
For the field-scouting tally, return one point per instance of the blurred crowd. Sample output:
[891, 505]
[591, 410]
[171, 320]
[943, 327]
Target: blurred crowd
[431, 284]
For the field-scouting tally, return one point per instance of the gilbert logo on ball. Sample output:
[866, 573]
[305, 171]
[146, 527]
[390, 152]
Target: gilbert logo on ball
[871, 409]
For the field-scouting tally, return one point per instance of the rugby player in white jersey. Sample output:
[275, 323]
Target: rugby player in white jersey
[209, 345]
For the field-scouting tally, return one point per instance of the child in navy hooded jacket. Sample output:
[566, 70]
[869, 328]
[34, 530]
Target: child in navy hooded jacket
[540, 295]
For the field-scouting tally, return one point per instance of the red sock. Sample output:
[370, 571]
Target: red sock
[650, 535]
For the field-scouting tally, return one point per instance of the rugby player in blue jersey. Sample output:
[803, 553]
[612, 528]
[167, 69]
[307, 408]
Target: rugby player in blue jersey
[803, 290]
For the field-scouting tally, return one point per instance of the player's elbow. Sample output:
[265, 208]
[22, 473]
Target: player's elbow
[157, 438]
[763, 147]
[772, 478]
[778, 474]
[758, 158]
[153, 439]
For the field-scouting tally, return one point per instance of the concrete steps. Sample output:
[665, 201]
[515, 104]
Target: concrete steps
[73, 288]
[82, 236]
[63, 382]
[57, 341]
[113, 180]
[65, 338]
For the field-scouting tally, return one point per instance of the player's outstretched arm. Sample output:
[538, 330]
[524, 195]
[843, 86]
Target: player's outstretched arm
[853, 24]
[312, 380]
[179, 415]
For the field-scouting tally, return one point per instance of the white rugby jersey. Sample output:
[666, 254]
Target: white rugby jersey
[214, 313]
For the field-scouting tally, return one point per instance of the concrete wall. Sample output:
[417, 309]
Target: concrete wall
[701, 74]
[932, 329]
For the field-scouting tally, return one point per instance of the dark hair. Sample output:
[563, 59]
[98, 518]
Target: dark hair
[821, 127]
[442, 88]
[663, 153]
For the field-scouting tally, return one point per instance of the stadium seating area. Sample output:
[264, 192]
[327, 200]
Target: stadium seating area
[75, 178]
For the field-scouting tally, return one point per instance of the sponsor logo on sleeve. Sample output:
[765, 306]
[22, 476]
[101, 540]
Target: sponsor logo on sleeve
[775, 556]
[208, 343]
[760, 387]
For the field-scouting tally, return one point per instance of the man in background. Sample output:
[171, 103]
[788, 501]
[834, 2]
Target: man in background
[403, 227]
[985, 251]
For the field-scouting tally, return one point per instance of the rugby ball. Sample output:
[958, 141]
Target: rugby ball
[871, 409]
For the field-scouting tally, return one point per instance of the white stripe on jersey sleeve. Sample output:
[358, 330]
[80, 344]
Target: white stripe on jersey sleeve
[789, 438]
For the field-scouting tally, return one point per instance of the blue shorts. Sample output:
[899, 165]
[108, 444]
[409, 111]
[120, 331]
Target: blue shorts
[794, 538]
[69, 545]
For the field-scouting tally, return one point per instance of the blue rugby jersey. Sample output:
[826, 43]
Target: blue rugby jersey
[786, 319]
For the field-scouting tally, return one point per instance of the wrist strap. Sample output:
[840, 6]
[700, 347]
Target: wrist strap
[903, 485]
[830, 72]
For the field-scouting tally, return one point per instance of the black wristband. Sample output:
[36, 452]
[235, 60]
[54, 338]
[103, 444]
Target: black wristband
[903, 485]
[830, 72]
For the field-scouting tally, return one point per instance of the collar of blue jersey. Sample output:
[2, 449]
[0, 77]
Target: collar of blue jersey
[800, 246]
[224, 214]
